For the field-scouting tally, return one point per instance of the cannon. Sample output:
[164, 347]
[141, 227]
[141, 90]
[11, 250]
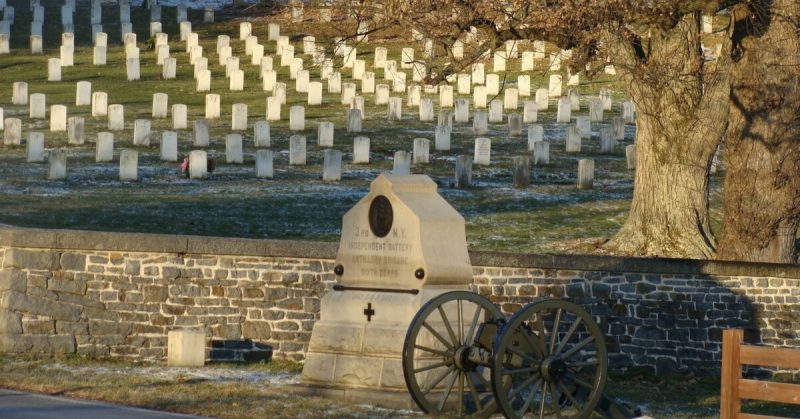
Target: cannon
[461, 355]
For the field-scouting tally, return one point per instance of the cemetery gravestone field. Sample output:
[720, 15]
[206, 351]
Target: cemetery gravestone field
[549, 214]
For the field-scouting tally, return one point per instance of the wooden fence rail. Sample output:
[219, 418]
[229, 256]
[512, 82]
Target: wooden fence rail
[735, 388]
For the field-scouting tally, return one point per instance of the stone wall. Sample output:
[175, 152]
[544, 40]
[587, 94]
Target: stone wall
[114, 294]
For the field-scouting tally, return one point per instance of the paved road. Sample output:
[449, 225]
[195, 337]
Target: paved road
[19, 405]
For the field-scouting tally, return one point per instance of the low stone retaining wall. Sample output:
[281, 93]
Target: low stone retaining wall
[118, 294]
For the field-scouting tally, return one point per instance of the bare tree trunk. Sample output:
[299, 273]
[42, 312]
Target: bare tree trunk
[681, 104]
[762, 152]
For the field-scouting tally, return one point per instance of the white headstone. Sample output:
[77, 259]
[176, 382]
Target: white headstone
[58, 164]
[239, 117]
[133, 68]
[514, 124]
[360, 150]
[426, 110]
[128, 165]
[380, 57]
[200, 132]
[483, 151]
[38, 106]
[463, 175]
[395, 112]
[596, 110]
[478, 74]
[353, 120]
[422, 147]
[542, 99]
[268, 79]
[99, 55]
[496, 111]
[141, 132]
[83, 93]
[264, 164]
[332, 166]
[160, 105]
[381, 94]
[236, 82]
[75, 130]
[58, 118]
[12, 131]
[212, 106]
[233, 149]
[261, 134]
[116, 117]
[541, 153]
[104, 147]
[402, 163]
[335, 83]
[179, 116]
[198, 164]
[630, 156]
[273, 108]
[480, 122]
[555, 86]
[273, 31]
[297, 150]
[499, 61]
[585, 174]
[35, 147]
[479, 97]
[442, 137]
[53, 69]
[573, 140]
[325, 134]
[19, 95]
[35, 41]
[492, 84]
[510, 98]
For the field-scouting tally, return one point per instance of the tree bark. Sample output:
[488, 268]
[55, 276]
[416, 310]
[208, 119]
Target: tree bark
[681, 104]
[762, 153]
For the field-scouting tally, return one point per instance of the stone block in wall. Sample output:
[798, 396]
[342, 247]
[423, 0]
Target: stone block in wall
[100, 327]
[57, 344]
[72, 286]
[38, 327]
[72, 328]
[10, 323]
[31, 259]
[19, 302]
[73, 262]
[155, 293]
[13, 280]
[256, 330]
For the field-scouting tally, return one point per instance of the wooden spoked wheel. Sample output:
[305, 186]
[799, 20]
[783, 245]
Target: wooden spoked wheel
[445, 365]
[549, 360]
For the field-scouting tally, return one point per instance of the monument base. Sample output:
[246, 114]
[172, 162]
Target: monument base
[358, 342]
[389, 399]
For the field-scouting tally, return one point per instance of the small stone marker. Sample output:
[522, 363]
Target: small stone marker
[395, 111]
[353, 120]
[297, 150]
[179, 117]
[128, 165]
[58, 118]
[99, 104]
[618, 127]
[607, 141]
[141, 132]
[426, 113]
[12, 131]
[461, 113]
[75, 130]
[200, 132]
[132, 68]
[496, 111]
[511, 98]
[514, 124]
[541, 153]
[198, 164]
[479, 97]
[463, 176]
[38, 106]
[325, 134]
[273, 108]
[402, 163]
[596, 110]
[585, 174]
[160, 104]
[422, 148]
[297, 118]
[233, 149]
[261, 134]
[573, 140]
[116, 117]
[564, 110]
[187, 347]
[104, 148]
[332, 166]
[483, 151]
[492, 84]
[315, 93]
[361, 150]
[19, 94]
[58, 164]
[99, 55]
[53, 69]
[521, 172]
[169, 146]
[239, 117]
[35, 147]
[212, 106]
[442, 137]
[264, 164]
[584, 126]
[535, 134]
[83, 93]
[630, 156]
[480, 122]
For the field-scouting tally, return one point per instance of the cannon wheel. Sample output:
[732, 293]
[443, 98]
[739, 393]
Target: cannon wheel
[441, 379]
[549, 360]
